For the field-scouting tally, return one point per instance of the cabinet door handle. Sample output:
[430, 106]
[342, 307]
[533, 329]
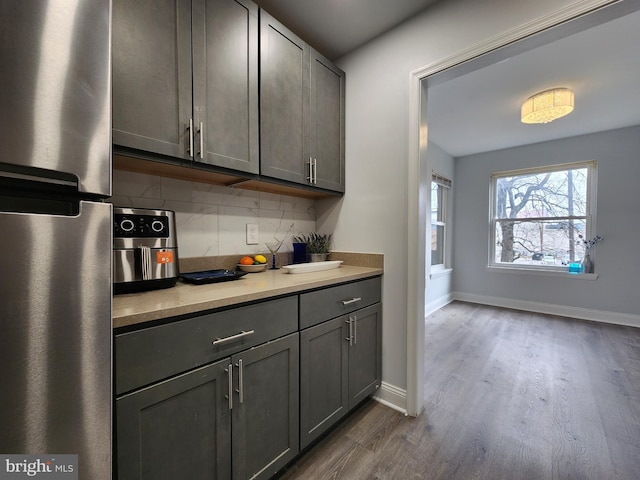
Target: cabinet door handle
[315, 171]
[350, 337]
[191, 137]
[229, 397]
[201, 140]
[310, 176]
[353, 300]
[220, 341]
[355, 329]
[240, 390]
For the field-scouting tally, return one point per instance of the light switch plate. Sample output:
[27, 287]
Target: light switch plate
[252, 233]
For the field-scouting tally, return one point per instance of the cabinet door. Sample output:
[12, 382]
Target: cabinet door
[179, 428]
[327, 123]
[365, 353]
[284, 102]
[323, 377]
[225, 83]
[151, 55]
[265, 408]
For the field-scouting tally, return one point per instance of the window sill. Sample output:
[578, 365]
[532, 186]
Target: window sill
[441, 272]
[544, 273]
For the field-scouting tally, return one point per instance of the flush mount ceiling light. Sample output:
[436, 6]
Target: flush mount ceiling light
[545, 107]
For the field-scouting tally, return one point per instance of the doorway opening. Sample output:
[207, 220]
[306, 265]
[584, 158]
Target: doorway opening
[423, 152]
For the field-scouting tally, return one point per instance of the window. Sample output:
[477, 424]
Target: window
[538, 215]
[439, 192]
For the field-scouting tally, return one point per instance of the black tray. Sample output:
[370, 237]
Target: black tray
[211, 276]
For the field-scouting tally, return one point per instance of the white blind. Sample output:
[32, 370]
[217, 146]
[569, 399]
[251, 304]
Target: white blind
[440, 180]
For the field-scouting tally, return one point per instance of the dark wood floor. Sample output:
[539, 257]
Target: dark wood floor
[508, 395]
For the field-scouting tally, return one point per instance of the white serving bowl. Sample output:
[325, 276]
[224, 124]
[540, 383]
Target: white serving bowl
[253, 268]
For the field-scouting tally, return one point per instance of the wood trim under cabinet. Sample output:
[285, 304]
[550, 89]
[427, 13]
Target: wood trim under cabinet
[192, 174]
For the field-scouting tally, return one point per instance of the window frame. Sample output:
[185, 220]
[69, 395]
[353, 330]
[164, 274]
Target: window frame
[445, 185]
[589, 217]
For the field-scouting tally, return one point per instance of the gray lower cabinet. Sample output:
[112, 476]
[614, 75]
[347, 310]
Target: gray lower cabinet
[324, 379]
[265, 408]
[179, 428]
[235, 394]
[188, 427]
[215, 396]
[185, 81]
[365, 349]
[301, 110]
[340, 365]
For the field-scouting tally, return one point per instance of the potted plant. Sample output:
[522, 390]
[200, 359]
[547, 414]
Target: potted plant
[318, 245]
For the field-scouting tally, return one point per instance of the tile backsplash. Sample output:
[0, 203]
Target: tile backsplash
[211, 219]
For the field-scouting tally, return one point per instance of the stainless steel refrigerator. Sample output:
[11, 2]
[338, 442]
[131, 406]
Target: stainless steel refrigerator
[56, 231]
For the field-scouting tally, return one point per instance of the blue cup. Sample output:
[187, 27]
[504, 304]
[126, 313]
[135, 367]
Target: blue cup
[575, 268]
[299, 252]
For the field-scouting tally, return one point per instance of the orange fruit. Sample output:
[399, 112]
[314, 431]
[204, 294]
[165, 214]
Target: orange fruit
[246, 261]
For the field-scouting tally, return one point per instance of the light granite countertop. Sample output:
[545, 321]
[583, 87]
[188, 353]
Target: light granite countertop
[136, 308]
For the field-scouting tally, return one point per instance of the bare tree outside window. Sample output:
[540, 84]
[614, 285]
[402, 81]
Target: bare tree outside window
[538, 215]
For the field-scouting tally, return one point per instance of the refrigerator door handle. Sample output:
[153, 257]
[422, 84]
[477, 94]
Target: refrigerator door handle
[31, 175]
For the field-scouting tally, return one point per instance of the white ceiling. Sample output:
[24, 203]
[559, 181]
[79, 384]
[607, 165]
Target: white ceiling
[336, 27]
[480, 111]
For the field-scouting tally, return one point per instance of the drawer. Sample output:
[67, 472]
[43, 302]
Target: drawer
[146, 356]
[321, 305]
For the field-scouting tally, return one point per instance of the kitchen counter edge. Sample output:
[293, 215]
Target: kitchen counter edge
[183, 299]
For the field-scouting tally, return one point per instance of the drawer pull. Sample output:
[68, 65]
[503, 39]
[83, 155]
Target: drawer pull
[353, 300]
[220, 341]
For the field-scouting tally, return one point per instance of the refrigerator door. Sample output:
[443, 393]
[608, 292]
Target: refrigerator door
[55, 336]
[55, 89]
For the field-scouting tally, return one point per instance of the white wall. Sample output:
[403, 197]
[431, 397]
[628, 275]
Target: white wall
[617, 220]
[211, 220]
[373, 216]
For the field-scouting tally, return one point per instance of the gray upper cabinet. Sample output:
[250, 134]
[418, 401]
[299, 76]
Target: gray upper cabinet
[151, 62]
[185, 80]
[301, 110]
[284, 102]
[327, 123]
[225, 83]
